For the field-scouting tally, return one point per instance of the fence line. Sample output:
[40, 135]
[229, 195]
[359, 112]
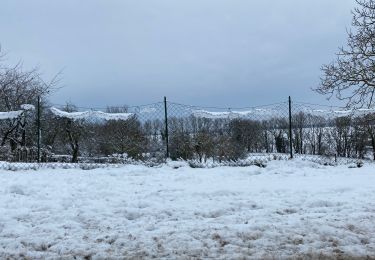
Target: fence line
[202, 135]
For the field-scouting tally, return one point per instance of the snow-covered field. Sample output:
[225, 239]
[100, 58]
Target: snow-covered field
[289, 209]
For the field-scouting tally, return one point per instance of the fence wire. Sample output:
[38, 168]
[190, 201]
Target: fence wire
[333, 135]
[202, 136]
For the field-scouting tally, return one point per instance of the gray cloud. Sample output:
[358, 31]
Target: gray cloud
[211, 52]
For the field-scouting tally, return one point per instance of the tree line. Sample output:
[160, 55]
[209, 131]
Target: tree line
[190, 137]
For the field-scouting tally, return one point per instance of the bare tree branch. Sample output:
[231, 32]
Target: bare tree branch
[351, 76]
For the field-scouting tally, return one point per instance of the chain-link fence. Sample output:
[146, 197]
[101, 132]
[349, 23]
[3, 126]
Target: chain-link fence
[333, 135]
[49, 135]
[233, 136]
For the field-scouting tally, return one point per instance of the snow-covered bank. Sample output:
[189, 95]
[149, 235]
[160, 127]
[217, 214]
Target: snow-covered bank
[290, 208]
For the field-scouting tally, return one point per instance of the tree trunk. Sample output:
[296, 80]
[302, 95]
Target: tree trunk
[75, 153]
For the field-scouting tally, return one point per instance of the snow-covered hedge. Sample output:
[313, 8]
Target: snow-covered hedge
[90, 114]
[17, 113]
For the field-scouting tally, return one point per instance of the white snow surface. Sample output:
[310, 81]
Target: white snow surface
[28, 107]
[90, 114]
[15, 114]
[289, 209]
[339, 113]
[10, 114]
[235, 114]
[265, 113]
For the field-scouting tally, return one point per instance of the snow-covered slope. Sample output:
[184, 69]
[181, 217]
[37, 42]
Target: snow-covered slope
[292, 208]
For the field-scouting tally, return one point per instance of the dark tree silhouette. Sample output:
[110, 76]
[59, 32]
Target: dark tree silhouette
[351, 76]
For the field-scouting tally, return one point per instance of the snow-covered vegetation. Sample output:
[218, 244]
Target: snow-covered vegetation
[91, 114]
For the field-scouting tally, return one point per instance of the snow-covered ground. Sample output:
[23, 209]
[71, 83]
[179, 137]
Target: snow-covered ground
[289, 209]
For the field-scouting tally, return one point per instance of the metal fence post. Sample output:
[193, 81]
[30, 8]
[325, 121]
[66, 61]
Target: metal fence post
[166, 127]
[39, 129]
[290, 129]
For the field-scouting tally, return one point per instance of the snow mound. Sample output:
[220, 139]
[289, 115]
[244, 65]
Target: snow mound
[177, 164]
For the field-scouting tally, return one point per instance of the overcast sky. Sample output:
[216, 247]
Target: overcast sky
[200, 52]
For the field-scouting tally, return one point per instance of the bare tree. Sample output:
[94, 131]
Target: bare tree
[72, 132]
[352, 76]
[19, 87]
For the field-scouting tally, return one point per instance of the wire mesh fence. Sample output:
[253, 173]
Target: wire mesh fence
[333, 135]
[50, 135]
[233, 136]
